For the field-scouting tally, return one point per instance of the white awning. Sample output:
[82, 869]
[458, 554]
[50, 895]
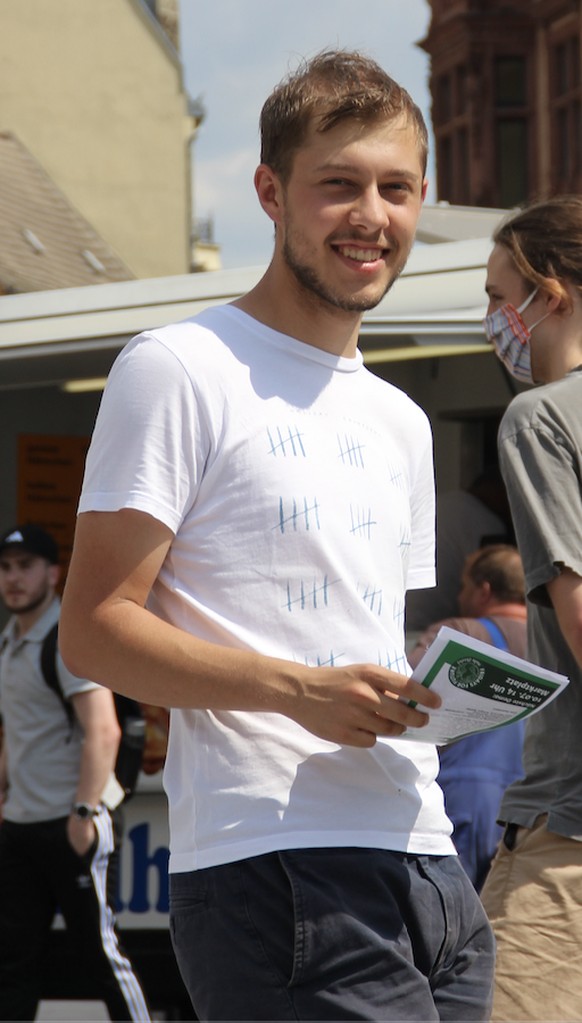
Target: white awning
[438, 303]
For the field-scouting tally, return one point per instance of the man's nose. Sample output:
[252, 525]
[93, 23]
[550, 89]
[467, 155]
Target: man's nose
[370, 210]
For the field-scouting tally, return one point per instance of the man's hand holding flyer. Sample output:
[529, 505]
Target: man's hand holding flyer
[481, 687]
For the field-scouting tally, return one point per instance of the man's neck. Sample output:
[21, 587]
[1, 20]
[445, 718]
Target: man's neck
[506, 610]
[306, 319]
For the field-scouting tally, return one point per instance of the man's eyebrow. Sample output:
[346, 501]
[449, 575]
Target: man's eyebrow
[408, 175]
[349, 168]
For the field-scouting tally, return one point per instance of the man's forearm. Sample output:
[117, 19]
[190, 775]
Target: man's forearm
[143, 657]
[107, 633]
[97, 763]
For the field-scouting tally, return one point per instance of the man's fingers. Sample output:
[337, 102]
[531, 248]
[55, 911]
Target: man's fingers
[397, 712]
[400, 687]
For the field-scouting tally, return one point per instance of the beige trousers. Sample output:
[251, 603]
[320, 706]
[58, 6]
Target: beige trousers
[533, 898]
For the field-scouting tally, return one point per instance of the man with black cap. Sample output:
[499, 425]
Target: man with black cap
[56, 777]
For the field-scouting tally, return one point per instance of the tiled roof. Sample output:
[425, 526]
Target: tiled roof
[44, 241]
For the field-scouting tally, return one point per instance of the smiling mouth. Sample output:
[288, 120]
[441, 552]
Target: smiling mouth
[361, 255]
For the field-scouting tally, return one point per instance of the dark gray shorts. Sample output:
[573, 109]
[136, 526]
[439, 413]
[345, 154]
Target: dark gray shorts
[333, 934]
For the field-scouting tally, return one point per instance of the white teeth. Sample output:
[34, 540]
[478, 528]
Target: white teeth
[362, 255]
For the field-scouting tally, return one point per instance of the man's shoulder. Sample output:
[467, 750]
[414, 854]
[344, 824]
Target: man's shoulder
[208, 341]
[211, 323]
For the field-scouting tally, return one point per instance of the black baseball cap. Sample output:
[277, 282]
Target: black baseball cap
[33, 540]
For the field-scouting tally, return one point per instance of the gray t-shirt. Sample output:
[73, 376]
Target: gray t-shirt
[43, 752]
[540, 448]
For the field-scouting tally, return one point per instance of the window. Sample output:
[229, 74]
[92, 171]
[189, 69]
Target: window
[511, 128]
[511, 145]
[461, 98]
[566, 115]
[445, 168]
[452, 135]
[463, 194]
[445, 99]
[510, 82]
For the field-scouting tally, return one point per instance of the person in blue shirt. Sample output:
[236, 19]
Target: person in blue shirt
[475, 771]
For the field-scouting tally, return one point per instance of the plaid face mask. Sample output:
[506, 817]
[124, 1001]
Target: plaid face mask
[510, 338]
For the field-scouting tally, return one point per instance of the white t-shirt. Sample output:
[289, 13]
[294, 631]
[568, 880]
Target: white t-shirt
[299, 487]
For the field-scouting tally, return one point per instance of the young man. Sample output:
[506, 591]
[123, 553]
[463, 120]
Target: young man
[533, 894]
[475, 771]
[56, 836]
[271, 503]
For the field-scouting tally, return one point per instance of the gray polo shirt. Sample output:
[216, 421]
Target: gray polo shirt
[540, 448]
[43, 753]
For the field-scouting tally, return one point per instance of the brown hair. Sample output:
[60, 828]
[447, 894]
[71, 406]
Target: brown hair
[333, 86]
[545, 242]
[500, 566]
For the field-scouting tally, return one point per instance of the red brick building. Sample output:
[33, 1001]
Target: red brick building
[506, 91]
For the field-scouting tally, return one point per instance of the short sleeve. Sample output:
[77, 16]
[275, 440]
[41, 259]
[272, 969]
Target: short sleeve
[540, 469]
[70, 684]
[147, 450]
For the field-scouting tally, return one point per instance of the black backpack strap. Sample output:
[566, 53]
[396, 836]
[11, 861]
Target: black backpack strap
[131, 747]
[129, 715]
[48, 666]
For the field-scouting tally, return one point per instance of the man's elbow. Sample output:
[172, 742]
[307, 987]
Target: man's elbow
[73, 646]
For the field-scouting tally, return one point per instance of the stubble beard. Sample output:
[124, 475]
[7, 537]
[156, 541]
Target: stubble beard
[310, 282]
[35, 602]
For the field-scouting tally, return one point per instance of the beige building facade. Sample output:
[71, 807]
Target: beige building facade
[94, 91]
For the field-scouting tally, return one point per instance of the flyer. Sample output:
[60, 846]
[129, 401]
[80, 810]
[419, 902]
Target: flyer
[481, 687]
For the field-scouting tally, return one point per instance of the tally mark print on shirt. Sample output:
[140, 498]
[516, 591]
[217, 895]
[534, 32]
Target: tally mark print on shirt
[309, 595]
[298, 514]
[351, 451]
[287, 442]
[323, 662]
[372, 597]
[393, 663]
[361, 521]
[386, 659]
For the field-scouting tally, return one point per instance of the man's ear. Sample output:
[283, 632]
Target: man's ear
[270, 192]
[54, 575]
[484, 594]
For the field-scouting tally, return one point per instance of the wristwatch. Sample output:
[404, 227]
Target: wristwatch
[84, 811]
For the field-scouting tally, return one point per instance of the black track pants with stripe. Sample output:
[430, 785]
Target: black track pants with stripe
[40, 873]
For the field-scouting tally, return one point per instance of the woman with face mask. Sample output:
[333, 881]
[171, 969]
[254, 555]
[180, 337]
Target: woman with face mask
[533, 894]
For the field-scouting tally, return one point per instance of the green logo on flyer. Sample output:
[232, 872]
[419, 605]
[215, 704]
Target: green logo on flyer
[466, 673]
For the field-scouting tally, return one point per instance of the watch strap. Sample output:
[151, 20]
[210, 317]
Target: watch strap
[84, 811]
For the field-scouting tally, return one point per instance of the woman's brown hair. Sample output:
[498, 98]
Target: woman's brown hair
[545, 242]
